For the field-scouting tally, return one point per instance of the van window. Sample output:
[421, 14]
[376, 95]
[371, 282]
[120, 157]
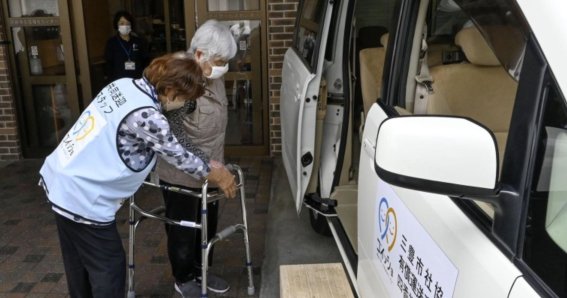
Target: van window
[502, 28]
[446, 19]
[307, 38]
[545, 244]
[462, 56]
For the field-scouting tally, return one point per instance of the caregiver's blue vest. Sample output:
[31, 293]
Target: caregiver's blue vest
[85, 175]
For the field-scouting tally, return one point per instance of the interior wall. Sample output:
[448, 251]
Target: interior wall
[114, 6]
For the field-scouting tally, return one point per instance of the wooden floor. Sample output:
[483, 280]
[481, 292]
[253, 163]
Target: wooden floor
[313, 281]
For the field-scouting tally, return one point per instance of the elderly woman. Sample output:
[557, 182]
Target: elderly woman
[203, 123]
[104, 159]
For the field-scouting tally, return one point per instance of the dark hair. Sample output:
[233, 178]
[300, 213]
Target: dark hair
[178, 71]
[122, 14]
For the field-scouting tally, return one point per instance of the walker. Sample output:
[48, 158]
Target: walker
[206, 244]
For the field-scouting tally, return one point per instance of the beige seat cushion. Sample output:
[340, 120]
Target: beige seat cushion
[476, 49]
[485, 94]
[384, 40]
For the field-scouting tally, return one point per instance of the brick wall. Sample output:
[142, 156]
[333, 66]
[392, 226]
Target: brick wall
[9, 137]
[281, 25]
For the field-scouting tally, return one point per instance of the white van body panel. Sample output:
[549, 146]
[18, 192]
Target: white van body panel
[368, 280]
[450, 232]
[522, 289]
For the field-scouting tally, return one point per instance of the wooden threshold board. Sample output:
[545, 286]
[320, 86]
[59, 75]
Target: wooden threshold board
[313, 281]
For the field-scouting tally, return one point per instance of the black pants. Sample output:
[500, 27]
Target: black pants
[184, 244]
[94, 259]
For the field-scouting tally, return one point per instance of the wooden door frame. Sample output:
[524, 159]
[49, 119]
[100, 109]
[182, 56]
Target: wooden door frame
[23, 97]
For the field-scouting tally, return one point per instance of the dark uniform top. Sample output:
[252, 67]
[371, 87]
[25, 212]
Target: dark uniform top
[125, 58]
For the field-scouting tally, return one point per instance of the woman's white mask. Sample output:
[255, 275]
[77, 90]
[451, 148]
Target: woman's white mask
[124, 29]
[217, 71]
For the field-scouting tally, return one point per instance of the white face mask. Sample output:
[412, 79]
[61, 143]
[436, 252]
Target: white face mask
[124, 29]
[173, 105]
[217, 71]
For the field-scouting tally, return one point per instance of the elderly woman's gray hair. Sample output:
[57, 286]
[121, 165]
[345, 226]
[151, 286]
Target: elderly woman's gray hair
[214, 40]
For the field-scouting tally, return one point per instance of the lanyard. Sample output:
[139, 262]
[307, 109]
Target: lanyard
[124, 48]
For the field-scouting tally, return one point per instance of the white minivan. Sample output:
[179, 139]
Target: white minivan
[429, 137]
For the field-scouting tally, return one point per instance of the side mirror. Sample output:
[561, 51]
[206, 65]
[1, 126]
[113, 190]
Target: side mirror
[444, 155]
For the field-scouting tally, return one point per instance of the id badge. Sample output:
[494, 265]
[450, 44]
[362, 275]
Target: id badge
[130, 65]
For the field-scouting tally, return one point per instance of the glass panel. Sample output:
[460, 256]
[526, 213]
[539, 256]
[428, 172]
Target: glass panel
[150, 23]
[22, 8]
[503, 27]
[233, 5]
[313, 10]
[545, 248]
[307, 36]
[177, 21]
[245, 72]
[53, 114]
[242, 129]
[45, 52]
[246, 33]
[448, 19]
[306, 44]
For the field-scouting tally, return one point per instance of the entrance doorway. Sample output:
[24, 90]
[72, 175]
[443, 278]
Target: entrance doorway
[246, 81]
[169, 25]
[55, 70]
[45, 80]
[57, 49]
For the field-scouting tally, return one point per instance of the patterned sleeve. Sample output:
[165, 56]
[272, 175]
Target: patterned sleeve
[148, 130]
[175, 118]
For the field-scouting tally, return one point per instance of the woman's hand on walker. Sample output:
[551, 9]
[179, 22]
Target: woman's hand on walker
[222, 177]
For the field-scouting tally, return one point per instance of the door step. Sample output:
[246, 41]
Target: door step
[314, 280]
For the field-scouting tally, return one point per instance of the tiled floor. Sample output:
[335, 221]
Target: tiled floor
[30, 259]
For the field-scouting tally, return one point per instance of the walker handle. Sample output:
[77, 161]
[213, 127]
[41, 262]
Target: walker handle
[230, 167]
[226, 232]
[236, 170]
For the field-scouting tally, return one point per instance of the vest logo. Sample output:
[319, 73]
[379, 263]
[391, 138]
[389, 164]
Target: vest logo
[89, 125]
[388, 223]
[84, 126]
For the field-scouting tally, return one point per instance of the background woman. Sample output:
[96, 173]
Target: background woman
[126, 54]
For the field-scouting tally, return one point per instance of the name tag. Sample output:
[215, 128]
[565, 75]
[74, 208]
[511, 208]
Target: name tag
[130, 65]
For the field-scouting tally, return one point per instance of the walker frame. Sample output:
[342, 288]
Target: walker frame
[206, 244]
